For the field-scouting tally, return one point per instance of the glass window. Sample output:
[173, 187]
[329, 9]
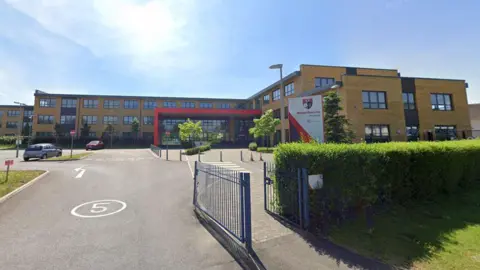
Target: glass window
[188, 104]
[225, 106]
[445, 133]
[108, 119]
[276, 113]
[324, 82]
[276, 94]
[266, 99]
[27, 113]
[92, 134]
[48, 102]
[206, 105]
[69, 102]
[90, 103]
[408, 101]
[412, 133]
[289, 89]
[45, 119]
[171, 124]
[13, 113]
[89, 119]
[1, 113]
[169, 104]
[130, 104]
[148, 120]
[149, 104]
[128, 120]
[67, 119]
[127, 134]
[11, 124]
[441, 102]
[374, 100]
[44, 134]
[111, 104]
[377, 133]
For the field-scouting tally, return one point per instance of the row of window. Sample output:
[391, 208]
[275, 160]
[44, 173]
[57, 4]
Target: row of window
[381, 133]
[289, 90]
[16, 113]
[378, 100]
[10, 124]
[92, 119]
[94, 134]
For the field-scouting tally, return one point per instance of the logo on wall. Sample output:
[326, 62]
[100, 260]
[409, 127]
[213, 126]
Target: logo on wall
[307, 103]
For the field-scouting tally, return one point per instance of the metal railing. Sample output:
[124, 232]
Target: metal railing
[156, 150]
[224, 195]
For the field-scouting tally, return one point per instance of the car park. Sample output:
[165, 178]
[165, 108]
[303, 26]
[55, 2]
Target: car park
[41, 151]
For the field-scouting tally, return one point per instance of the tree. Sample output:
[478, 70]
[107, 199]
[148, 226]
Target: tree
[135, 128]
[190, 130]
[215, 137]
[337, 127]
[110, 129]
[59, 130]
[265, 126]
[85, 130]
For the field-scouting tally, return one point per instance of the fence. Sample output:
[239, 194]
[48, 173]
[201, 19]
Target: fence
[156, 150]
[286, 194]
[224, 196]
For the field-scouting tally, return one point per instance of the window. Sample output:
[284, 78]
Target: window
[408, 101]
[188, 104]
[289, 89]
[276, 113]
[44, 134]
[67, 119]
[412, 133]
[89, 119]
[45, 119]
[130, 104]
[127, 134]
[169, 104]
[286, 112]
[12, 125]
[111, 104]
[148, 120]
[48, 102]
[377, 133]
[128, 120]
[266, 99]
[225, 106]
[441, 102]
[324, 82]
[108, 119]
[27, 113]
[1, 113]
[374, 100]
[276, 95]
[13, 113]
[69, 103]
[90, 103]
[149, 104]
[92, 134]
[445, 133]
[205, 105]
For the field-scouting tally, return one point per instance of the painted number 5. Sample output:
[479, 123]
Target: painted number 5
[98, 208]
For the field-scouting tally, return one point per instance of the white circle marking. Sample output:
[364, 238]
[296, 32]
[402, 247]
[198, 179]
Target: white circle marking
[74, 210]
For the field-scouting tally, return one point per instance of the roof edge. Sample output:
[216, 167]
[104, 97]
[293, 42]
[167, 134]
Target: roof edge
[310, 65]
[288, 77]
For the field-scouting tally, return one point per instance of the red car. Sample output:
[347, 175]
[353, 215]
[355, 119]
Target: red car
[93, 145]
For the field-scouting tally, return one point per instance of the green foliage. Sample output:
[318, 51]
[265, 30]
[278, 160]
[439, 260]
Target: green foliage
[26, 130]
[7, 140]
[253, 146]
[85, 130]
[199, 149]
[59, 129]
[190, 130]
[265, 126]
[215, 137]
[110, 129]
[359, 175]
[337, 127]
[265, 149]
[135, 126]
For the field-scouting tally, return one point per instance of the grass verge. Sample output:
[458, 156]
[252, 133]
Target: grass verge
[16, 179]
[265, 149]
[440, 234]
[7, 146]
[74, 157]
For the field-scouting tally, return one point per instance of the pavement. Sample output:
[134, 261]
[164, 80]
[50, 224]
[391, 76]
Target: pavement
[117, 209]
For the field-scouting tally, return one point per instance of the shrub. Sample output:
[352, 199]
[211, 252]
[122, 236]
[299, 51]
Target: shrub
[7, 140]
[253, 146]
[265, 149]
[360, 175]
[199, 149]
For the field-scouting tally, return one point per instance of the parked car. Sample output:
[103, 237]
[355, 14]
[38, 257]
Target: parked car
[93, 145]
[41, 151]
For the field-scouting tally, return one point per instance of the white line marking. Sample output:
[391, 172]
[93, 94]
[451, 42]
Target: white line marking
[95, 205]
[80, 174]
[189, 166]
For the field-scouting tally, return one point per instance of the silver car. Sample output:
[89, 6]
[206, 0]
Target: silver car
[42, 151]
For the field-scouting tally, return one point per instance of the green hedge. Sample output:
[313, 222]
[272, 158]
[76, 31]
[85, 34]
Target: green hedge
[265, 149]
[199, 149]
[253, 146]
[7, 140]
[359, 175]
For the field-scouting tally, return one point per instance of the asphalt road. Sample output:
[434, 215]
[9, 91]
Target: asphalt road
[152, 227]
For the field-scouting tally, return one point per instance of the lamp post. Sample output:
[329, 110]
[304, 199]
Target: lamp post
[20, 104]
[282, 102]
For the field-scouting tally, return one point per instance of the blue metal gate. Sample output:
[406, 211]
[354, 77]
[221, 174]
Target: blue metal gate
[224, 195]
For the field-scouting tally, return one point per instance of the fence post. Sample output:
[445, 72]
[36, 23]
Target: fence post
[180, 154]
[299, 198]
[265, 185]
[241, 156]
[199, 159]
[159, 151]
[248, 211]
[306, 208]
[221, 158]
[167, 153]
[195, 185]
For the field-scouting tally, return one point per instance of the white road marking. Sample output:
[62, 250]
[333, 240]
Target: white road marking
[99, 206]
[189, 166]
[81, 172]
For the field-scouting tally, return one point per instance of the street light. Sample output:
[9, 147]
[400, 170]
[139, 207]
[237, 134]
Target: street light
[282, 102]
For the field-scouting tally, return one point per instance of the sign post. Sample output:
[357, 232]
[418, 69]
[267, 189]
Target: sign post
[167, 135]
[18, 142]
[72, 132]
[8, 163]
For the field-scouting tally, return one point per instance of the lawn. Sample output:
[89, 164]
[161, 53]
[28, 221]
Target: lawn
[441, 234]
[15, 180]
[7, 146]
[67, 156]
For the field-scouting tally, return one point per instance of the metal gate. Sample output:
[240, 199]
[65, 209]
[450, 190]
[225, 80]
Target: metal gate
[286, 194]
[224, 195]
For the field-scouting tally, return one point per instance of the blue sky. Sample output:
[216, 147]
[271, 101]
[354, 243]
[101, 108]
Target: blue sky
[215, 48]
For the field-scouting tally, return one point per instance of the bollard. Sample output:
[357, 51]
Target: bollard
[166, 156]
[199, 159]
[180, 155]
[221, 159]
[251, 156]
[160, 152]
[261, 159]
[241, 156]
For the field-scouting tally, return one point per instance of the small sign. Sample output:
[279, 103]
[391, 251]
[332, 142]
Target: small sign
[315, 181]
[72, 132]
[167, 133]
[9, 162]
[19, 141]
